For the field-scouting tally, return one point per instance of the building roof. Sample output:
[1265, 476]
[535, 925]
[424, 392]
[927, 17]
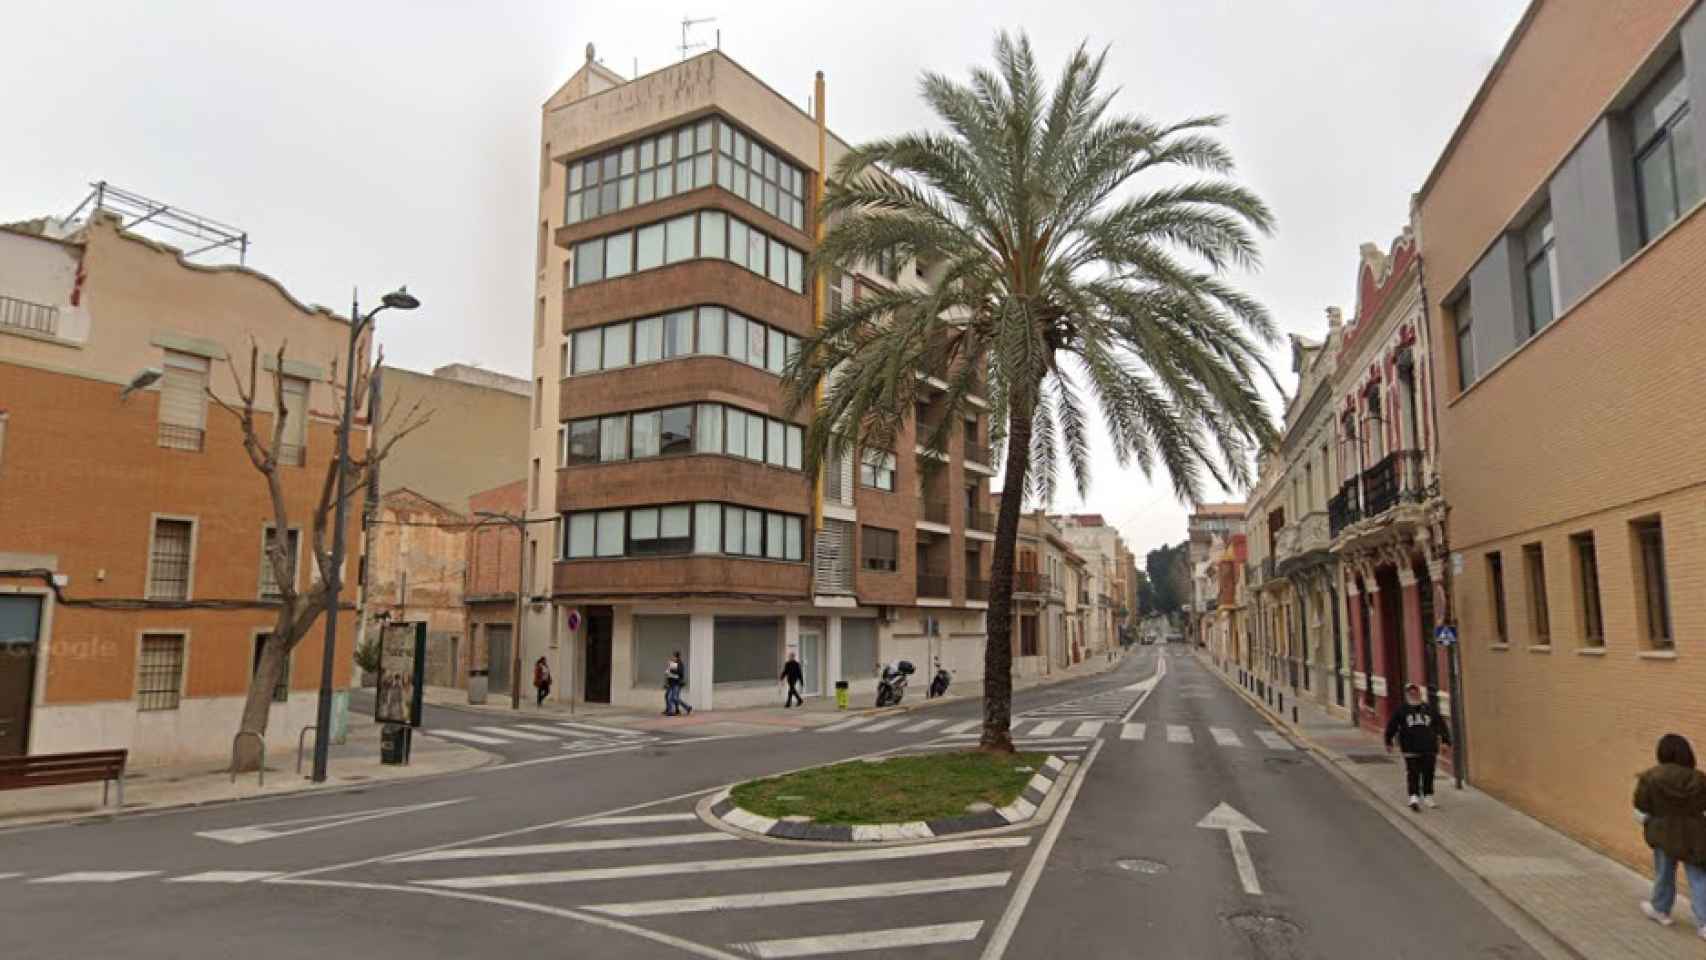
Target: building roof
[1219, 510]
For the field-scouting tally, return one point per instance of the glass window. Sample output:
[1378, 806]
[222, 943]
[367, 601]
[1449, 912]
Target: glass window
[628, 159]
[776, 352]
[583, 442]
[582, 533]
[776, 446]
[778, 263]
[879, 549]
[1496, 585]
[648, 339]
[876, 469]
[676, 431]
[684, 174]
[678, 334]
[666, 180]
[737, 336]
[712, 235]
[589, 261]
[646, 186]
[725, 137]
[684, 142]
[610, 533]
[709, 438]
[724, 172]
[572, 209]
[756, 338]
[587, 350]
[611, 168]
[574, 176]
[643, 532]
[618, 254]
[666, 149]
[737, 432]
[625, 199]
[646, 434]
[773, 539]
[754, 532]
[1667, 182]
[702, 138]
[650, 247]
[1542, 268]
[616, 345]
[613, 438]
[793, 537]
[675, 529]
[679, 244]
[770, 198]
[707, 528]
[711, 331]
[796, 271]
[1464, 319]
[646, 154]
[755, 436]
[738, 240]
[755, 248]
[702, 170]
[607, 196]
[734, 530]
[1587, 589]
[796, 436]
[1649, 548]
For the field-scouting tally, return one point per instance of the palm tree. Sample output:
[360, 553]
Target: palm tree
[1054, 271]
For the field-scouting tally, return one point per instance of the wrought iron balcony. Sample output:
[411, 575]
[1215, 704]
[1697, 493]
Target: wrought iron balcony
[977, 589]
[978, 453]
[1396, 478]
[936, 511]
[932, 585]
[980, 520]
[1344, 509]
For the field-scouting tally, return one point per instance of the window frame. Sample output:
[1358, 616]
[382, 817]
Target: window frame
[875, 561]
[1496, 591]
[292, 532]
[1540, 251]
[788, 530]
[1539, 612]
[1652, 576]
[1590, 611]
[176, 692]
[887, 464]
[1463, 330]
[1663, 136]
[154, 520]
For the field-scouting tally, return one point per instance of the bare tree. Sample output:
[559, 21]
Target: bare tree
[298, 610]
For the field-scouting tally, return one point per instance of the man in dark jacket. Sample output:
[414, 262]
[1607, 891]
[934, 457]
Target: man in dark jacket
[1670, 802]
[1419, 730]
[791, 672]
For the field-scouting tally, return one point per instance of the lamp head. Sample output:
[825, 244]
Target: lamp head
[401, 299]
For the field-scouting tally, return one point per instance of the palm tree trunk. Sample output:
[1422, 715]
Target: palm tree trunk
[998, 649]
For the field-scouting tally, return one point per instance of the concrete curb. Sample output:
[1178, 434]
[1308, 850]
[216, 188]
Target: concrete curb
[1024, 808]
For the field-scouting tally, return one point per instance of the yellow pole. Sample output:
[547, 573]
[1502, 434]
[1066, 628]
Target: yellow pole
[818, 290]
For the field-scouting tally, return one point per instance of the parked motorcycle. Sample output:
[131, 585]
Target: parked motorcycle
[939, 685]
[891, 685]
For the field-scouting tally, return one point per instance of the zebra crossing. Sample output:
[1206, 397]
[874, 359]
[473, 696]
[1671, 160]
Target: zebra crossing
[1108, 703]
[1030, 732]
[572, 736]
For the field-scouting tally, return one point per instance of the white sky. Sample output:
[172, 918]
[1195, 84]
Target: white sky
[378, 143]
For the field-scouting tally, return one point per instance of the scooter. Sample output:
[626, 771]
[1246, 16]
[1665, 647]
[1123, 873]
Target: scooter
[891, 686]
[939, 685]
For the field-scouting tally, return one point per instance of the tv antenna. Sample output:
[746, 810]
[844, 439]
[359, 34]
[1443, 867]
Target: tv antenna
[688, 23]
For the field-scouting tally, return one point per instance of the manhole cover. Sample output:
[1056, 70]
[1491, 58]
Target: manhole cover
[1140, 865]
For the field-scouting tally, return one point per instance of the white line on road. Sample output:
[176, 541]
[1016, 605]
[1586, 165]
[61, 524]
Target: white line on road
[1044, 729]
[465, 735]
[516, 734]
[266, 831]
[568, 846]
[1273, 740]
[1089, 728]
[721, 866]
[595, 728]
[638, 818]
[555, 733]
[1131, 731]
[1147, 686]
[96, 876]
[963, 726]
[1224, 817]
[866, 940]
[225, 876]
[1225, 737]
[921, 727]
[843, 725]
[1033, 871]
[1179, 734]
[8, 876]
[884, 725]
[788, 898]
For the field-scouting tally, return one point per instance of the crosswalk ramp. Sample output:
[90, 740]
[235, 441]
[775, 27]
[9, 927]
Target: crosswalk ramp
[570, 736]
[1044, 732]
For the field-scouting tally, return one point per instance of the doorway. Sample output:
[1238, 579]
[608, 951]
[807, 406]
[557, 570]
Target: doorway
[811, 660]
[498, 665]
[598, 636]
[1392, 634]
[20, 621]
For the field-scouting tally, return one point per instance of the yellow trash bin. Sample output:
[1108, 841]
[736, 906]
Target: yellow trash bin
[840, 694]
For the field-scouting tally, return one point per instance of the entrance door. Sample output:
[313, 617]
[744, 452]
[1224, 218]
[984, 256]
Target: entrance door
[811, 661]
[1392, 634]
[598, 635]
[498, 665]
[20, 620]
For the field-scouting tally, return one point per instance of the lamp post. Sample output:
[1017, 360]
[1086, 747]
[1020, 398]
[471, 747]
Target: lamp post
[520, 525]
[400, 299]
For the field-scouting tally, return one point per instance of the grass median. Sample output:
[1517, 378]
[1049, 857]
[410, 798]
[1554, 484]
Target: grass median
[895, 790]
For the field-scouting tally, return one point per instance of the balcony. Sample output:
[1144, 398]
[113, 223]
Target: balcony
[1396, 479]
[1302, 537]
[1084, 598]
[39, 318]
[980, 520]
[1028, 581]
[977, 589]
[832, 559]
[978, 453]
[1344, 509]
[935, 511]
[933, 585]
[1268, 566]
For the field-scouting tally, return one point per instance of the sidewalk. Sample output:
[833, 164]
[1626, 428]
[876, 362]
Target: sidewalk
[1585, 900]
[743, 721]
[356, 761]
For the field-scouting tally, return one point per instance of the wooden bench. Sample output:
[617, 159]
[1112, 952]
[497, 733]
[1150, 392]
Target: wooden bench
[55, 769]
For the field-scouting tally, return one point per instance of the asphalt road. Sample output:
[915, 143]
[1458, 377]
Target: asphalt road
[598, 853]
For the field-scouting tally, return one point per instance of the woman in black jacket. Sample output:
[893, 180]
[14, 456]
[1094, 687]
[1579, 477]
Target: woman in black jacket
[1670, 803]
[1419, 730]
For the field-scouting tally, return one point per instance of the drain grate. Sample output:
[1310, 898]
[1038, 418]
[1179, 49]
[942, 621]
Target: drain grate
[1141, 865]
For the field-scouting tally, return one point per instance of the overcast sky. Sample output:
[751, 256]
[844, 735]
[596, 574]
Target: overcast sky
[377, 143]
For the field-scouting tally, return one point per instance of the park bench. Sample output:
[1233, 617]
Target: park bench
[55, 769]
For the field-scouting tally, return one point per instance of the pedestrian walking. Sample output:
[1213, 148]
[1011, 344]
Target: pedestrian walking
[674, 677]
[1670, 804]
[1419, 730]
[791, 672]
[541, 681]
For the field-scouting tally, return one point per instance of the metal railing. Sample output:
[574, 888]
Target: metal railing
[980, 520]
[181, 438]
[24, 315]
[1027, 581]
[932, 585]
[978, 453]
[977, 589]
[936, 511]
[1344, 509]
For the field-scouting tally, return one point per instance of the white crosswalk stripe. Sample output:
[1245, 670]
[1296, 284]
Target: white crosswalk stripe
[637, 819]
[1066, 733]
[789, 898]
[1045, 728]
[843, 725]
[889, 939]
[514, 733]
[963, 726]
[1274, 740]
[1179, 734]
[1089, 728]
[1131, 731]
[225, 876]
[572, 736]
[466, 736]
[96, 876]
[570, 846]
[884, 725]
[1225, 737]
[923, 726]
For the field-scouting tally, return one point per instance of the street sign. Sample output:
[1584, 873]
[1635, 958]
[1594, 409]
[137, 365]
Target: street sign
[1446, 635]
[402, 674]
[574, 620]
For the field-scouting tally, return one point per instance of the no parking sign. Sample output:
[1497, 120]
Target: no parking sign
[574, 620]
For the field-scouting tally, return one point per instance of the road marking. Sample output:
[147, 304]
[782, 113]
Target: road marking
[1225, 737]
[8, 876]
[267, 831]
[721, 866]
[568, 846]
[867, 940]
[595, 728]
[1236, 825]
[843, 725]
[1033, 871]
[639, 818]
[512, 732]
[963, 726]
[787, 898]
[1045, 728]
[884, 725]
[1273, 740]
[1179, 734]
[554, 732]
[1131, 731]
[921, 727]
[465, 735]
[225, 876]
[96, 876]
[1089, 728]
[1147, 686]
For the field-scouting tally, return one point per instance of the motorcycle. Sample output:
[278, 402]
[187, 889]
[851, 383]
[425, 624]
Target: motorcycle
[939, 685]
[891, 686]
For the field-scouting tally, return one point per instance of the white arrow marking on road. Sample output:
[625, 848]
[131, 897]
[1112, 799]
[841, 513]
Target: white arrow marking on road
[1147, 687]
[267, 831]
[1236, 825]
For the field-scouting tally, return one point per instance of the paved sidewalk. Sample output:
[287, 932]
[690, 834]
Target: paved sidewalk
[353, 762]
[1584, 899]
[818, 711]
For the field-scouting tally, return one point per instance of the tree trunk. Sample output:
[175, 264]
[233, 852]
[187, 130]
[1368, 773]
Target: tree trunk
[998, 649]
[275, 660]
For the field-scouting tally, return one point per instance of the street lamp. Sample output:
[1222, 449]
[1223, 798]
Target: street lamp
[399, 299]
[520, 525]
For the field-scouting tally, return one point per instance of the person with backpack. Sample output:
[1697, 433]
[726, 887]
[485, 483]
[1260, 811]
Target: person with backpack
[1419, 730]
[792, 673]
[674, 678]
[541, 681]
[1670, 805]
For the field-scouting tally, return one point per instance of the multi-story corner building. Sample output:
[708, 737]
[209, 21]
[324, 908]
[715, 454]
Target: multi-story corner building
[1094, 539]
[1049, 606]
[134, 592]
[1208, 526]
[1565, 247]
[1298, 617]
[676, 219]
